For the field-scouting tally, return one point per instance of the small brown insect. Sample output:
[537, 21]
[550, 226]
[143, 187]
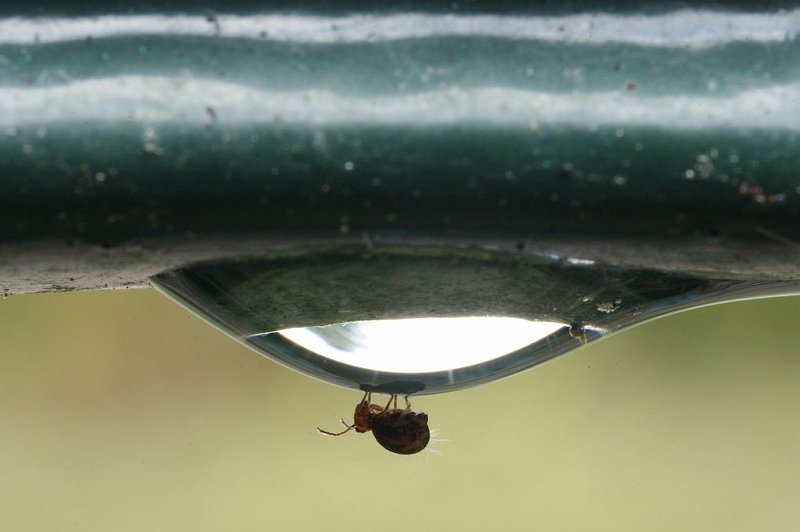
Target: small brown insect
[401, 431]
[576, 330]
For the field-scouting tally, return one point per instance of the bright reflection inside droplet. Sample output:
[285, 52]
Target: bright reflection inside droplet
[420, 345]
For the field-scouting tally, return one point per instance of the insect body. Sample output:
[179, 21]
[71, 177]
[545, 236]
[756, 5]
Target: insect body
[401, 431]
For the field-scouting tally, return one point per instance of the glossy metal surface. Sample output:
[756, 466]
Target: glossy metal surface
[151, 129]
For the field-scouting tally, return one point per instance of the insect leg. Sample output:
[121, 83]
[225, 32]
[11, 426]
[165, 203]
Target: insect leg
[408, 404]
[385, 408]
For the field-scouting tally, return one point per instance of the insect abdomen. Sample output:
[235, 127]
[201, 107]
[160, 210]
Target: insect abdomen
[401, 432]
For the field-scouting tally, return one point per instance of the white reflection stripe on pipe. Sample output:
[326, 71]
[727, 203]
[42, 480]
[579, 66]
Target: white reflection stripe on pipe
[683, 28]
[154, 99]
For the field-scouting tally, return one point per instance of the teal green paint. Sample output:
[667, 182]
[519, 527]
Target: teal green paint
[460, 162]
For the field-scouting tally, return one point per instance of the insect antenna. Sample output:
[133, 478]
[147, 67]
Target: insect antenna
[336, 433]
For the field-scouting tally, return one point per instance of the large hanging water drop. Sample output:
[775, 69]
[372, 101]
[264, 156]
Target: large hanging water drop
[412, 319]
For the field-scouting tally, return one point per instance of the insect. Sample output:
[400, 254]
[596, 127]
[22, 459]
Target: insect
[576, 330]
[400, 431]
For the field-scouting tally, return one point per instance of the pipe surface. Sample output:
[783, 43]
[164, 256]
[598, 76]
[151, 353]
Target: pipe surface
[646, 135]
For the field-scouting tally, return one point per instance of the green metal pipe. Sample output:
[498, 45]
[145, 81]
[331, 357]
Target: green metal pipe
[656, 136]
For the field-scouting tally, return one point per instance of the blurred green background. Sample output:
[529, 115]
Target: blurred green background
[121, 411]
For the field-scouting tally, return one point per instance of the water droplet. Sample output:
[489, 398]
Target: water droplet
[411, 319]
[344, 224]
[349, 166]
[579, 261]
[152, 147]
[609, 306]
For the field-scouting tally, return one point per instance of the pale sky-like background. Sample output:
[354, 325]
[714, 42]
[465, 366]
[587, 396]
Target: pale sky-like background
[120, 411]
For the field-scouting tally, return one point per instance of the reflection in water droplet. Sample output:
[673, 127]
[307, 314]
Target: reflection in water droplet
[420, 345]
